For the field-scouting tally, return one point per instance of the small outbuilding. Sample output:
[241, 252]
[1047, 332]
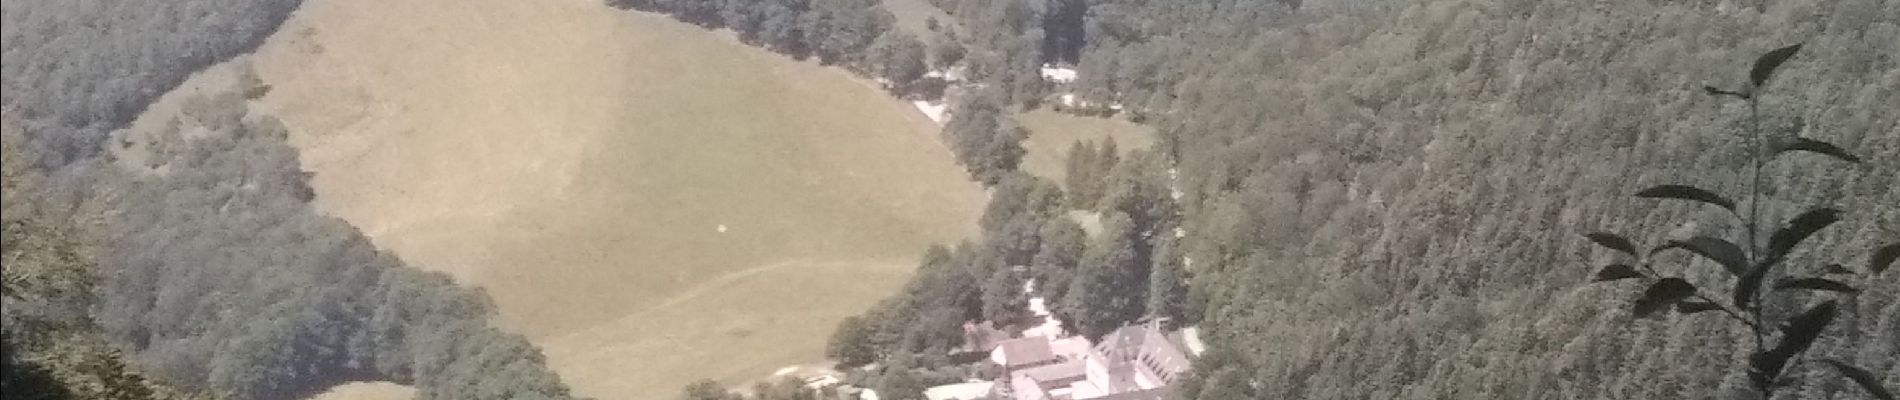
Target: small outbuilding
[1058, 74]
[962, 391]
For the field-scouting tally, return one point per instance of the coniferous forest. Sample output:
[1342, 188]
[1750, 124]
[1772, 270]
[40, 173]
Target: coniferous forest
[1390, 199]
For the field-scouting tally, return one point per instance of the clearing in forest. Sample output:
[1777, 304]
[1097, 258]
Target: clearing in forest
[650, 202]
[913, 17]
[1051, 133]
[367, 391]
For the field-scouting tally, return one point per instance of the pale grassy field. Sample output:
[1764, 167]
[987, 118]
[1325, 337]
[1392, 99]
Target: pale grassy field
[367, 391]
[911, 15]
[575, 162]
[1051, 133]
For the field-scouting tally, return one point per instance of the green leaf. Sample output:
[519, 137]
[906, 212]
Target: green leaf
[1836, 269]
[1713, 91]
[1815, 284]
[1692, 307]
[1766, 65]
[1819, 147]
[1721, 251]
[1796, 336]
[1747, 286]
[1614, 272]
[1799, 229]
[1683, 192]
[1801, 330]
[1883, 258]
[1757, 374]
[1866, 380]
[1613, 241]
[1661, 295]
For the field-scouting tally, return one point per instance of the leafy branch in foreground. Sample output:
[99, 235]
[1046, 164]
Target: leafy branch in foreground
[1751, 264]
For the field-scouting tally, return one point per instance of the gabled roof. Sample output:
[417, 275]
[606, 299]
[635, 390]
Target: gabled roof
[1073, 347]
[1056, 374]
[1189, 341]
[1023, 351]
[1145, 346]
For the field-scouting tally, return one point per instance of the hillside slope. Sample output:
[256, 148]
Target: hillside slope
[216, 275]
[1387, 199]
[650, 202]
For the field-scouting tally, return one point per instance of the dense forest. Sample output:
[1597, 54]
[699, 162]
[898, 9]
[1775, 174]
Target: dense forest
[230, 207]
[854, 34]
[74, 71]
[204, 271]
[1386, 199]
[51, 347]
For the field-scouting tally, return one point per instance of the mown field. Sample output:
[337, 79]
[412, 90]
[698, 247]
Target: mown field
[367, 391]
[650, 202]
[913, 16]
[1051, 133]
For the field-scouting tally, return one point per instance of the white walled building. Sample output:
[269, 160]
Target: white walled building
[1137, 362]
[1058, 74]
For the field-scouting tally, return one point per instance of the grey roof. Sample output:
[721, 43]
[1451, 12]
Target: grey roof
[1132, 354]
[1059, 374]
[1035, 383]
[1145, 346]
[1026, 351]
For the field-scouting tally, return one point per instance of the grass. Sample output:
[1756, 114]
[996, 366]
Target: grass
[574, 161]
[1051, 133]
[911, 15]
[367, 391]
[761, 321]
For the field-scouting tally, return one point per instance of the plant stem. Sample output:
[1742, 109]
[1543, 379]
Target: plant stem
[1754, 211]
[1754, 246]
[1733, 314]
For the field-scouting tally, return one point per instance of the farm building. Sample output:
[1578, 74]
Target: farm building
[963, 391]
[1058, 74]
[1134, 362]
